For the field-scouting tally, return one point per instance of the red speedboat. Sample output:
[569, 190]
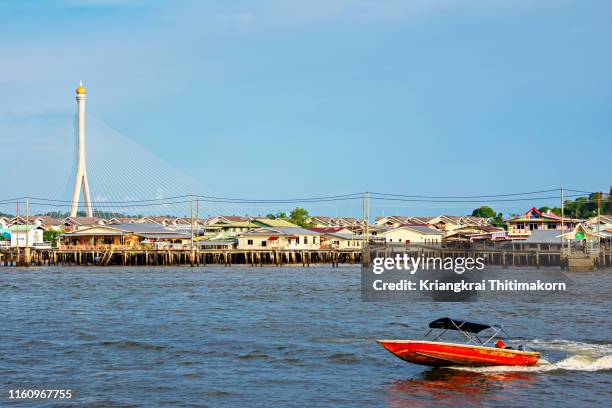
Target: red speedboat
[478, 349]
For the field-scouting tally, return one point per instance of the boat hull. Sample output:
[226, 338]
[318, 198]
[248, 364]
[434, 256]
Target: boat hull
[437, 354]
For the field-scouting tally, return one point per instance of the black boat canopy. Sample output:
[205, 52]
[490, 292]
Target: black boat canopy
[446, 323]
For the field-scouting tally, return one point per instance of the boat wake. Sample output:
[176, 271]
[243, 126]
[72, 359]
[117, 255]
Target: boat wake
[582, 357]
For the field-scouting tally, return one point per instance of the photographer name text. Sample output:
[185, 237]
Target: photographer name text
[466, 286]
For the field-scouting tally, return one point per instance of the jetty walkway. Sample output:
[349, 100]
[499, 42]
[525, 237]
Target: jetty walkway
[539, 256]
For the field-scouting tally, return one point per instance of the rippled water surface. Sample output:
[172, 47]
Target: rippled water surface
[277, 337]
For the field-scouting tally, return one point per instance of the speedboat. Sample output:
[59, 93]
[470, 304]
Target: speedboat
[477, 350]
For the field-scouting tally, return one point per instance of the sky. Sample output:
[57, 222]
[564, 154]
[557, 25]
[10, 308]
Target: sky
[286, 98]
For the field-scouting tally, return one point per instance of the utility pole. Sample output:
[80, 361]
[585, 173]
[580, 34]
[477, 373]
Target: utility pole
[562, 212]
[197, 223]
[26, 251]
[17, 233]
[27, 210]
[562, 216]
[366, 216]
[191, 215]
[197, 218]
[598, 218]
[363, 233]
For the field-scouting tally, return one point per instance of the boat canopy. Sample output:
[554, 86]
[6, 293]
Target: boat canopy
[446, 323]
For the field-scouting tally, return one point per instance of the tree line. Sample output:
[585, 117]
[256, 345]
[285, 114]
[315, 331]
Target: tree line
[581, 208]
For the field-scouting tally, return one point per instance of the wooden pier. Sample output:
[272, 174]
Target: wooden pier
[535, 257]
[152, 257]
[538, 256]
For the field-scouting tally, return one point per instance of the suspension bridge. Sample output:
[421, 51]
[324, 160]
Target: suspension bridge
[113, 177]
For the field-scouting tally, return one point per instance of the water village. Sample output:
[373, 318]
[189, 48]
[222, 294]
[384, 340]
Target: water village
[535, 238]
[539, 237]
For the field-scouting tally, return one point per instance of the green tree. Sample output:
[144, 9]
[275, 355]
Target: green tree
[497, 219]
[606, 203]
[278, 216]
[51, 236]
[586, 207]
[484, 212]
[300, 217]
[554, 210]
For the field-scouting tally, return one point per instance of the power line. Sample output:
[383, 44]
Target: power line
[380, 196]
[161, 204]
[320, 199]
[470, 201]
[345, 197]
[62, 205]
[473, 196]
[110, 202]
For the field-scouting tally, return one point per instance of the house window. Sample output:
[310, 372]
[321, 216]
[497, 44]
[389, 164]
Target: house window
[314, 240]
[297, 241]
[305, 240]
[263, 243]
[250, 242]
[552, 225]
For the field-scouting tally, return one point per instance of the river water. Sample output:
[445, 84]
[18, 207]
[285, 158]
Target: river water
[287, 336]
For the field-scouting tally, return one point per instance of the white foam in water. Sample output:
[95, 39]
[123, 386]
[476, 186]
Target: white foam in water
[573, 346]
[584, 357]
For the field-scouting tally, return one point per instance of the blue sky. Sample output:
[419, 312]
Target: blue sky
[284, 98]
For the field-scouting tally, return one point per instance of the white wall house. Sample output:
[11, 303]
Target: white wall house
[20, 234]
[323, 222]
[444, 223]
[339, 240]
[77, 223]
[49, 223]
[394, 221]
[407, 234]
[279, 238]
[604, 221]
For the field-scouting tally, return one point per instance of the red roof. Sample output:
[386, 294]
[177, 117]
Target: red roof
[533, 210]
[234, 217]
[327, 229]
[551, 214]
[490, 228]
[547, 214]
